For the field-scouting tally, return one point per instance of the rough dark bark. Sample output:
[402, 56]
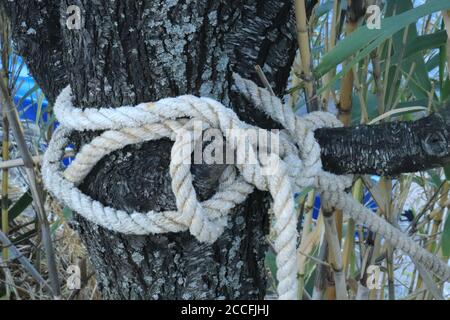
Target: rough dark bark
[37, 37]
[128, 52]
[388, 149]
[133, 51]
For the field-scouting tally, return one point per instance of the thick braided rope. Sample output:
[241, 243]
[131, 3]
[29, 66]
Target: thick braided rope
[168, 118]
[296, 165]
[332, 187]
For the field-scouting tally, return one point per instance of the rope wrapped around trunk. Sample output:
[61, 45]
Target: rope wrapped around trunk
[294, 166]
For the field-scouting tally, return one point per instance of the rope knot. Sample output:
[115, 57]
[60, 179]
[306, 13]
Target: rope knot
[293, 164]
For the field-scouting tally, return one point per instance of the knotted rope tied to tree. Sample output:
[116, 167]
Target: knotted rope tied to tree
[297, 165]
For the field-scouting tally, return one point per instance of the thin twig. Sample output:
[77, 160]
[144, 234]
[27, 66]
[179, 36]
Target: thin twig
[35, 187]
[335, 255]
[14, 163]
[24, 262]
[305, 53]
[446, 18]
[263, 79]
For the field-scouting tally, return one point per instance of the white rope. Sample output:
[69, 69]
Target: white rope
[296, 165]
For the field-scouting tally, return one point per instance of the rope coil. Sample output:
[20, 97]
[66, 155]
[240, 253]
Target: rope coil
[296, 165]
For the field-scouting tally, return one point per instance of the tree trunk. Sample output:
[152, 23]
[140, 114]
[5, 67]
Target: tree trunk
[128, 52]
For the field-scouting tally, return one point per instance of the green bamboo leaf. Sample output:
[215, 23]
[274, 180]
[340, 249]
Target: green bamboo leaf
[445, 242]
[413, 103]
[445, 90]
[24, 201]
[304, 193]
[25, 236]
[444, 81]
[16, 69]
[323, 9]
[66, 215]
[425, 42]
[40, 101]
[419, 83]
[27, 94]
[435, 178]
[364, 41]
[272, 265]
[447, 172]
[420, 181]
[397, 112]
[371, 104]
[433, 63]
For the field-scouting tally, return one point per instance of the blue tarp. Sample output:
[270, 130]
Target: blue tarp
[28, 108]
[368, 202]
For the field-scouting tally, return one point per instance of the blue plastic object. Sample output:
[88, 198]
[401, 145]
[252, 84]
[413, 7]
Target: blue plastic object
[28, 108]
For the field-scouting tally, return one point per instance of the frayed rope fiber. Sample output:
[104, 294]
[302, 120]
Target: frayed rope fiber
[295, 166]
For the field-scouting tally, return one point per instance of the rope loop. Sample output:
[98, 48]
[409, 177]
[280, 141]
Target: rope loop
[294, 164]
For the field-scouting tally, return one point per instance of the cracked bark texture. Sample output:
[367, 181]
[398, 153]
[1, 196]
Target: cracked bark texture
[388, 149]
[133, 51]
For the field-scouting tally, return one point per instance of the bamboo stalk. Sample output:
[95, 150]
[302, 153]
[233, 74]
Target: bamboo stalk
[335, 255]
[413, 281]
[296, 71]
[350, 235]
[371, 252]
[349, 243]
[345, 97]
[436, 219]
[439, 215]
[427, 279]
[363, 291]
[330, 44]
[14, 163]
[387, 70]
[263, 79]
[376, 248]
[305, 53]
[390, 269]
[309, 208]
[5, 182]
[306, 231]
[398, 69]
[381, 291]
[9, 281]
[362, 99]
[35, 187]
[5, 151]
[446, 18]
[24, 262]
[335, 23]
[4, 77]
[386, 186]
[320, 279]
[345, 103]
[407, 80]
[376, 73]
